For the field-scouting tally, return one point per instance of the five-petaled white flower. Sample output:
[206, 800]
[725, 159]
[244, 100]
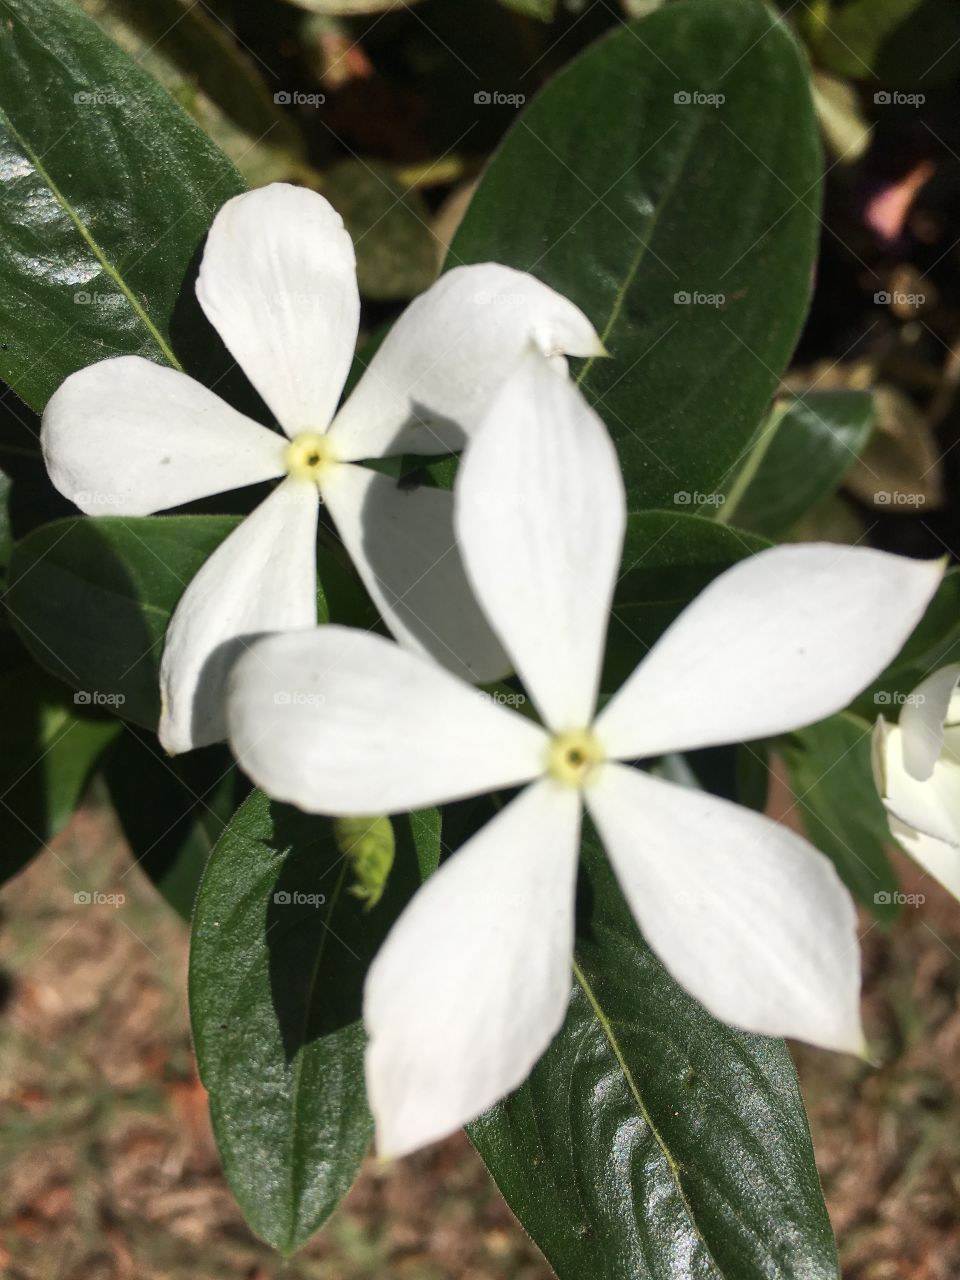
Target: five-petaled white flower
[474, 978]
[278, 283]
[916, 766]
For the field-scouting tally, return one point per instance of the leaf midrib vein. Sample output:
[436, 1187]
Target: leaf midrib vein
[641, 252]
[628, 1076]
[92, 244]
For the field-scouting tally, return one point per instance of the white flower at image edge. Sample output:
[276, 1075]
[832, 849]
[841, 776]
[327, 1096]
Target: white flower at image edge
[916, 766]
[278, 283]
[474, 979]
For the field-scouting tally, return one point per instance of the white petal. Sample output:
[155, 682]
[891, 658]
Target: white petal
[434, 376]
[931, 807]
[473, 981]
[781, 640]
[539, 514]
[263, 577]
[922, 717]
[129, 437]
[746, 915]
[940, 859]
[342, 722]
[403, 545]
[278, 282]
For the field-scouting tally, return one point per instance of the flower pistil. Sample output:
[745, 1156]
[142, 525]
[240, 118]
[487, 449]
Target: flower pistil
[309, 456]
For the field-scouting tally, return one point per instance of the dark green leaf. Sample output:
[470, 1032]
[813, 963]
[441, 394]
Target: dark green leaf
[652, 1141]
[275, 988]
[627, 192]
[739, 772]
[109, 190]
[91, 600]
[48, 749]
[172, 810]
[836, 798]
[799, 460]
[667, 561]
[425, 827]
[31, 500]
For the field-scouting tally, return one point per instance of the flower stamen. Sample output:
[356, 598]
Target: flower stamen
[572, 756]
[309, 456]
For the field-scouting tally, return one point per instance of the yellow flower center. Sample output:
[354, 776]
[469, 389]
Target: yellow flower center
[309, 456]
[572, 756]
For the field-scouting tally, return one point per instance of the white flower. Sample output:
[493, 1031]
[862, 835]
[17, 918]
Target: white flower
[474, 979]
[278, 283]
[916, 766]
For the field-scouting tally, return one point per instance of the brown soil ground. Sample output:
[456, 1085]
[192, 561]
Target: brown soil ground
[110, 1173]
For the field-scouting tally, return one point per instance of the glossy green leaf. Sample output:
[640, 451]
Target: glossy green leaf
[172, 810]
[108, 190]
[651, 1141]
[799, 459]
[49, 746]
[634, 191]
[280, 951]
[837, 802]
[667, 561]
